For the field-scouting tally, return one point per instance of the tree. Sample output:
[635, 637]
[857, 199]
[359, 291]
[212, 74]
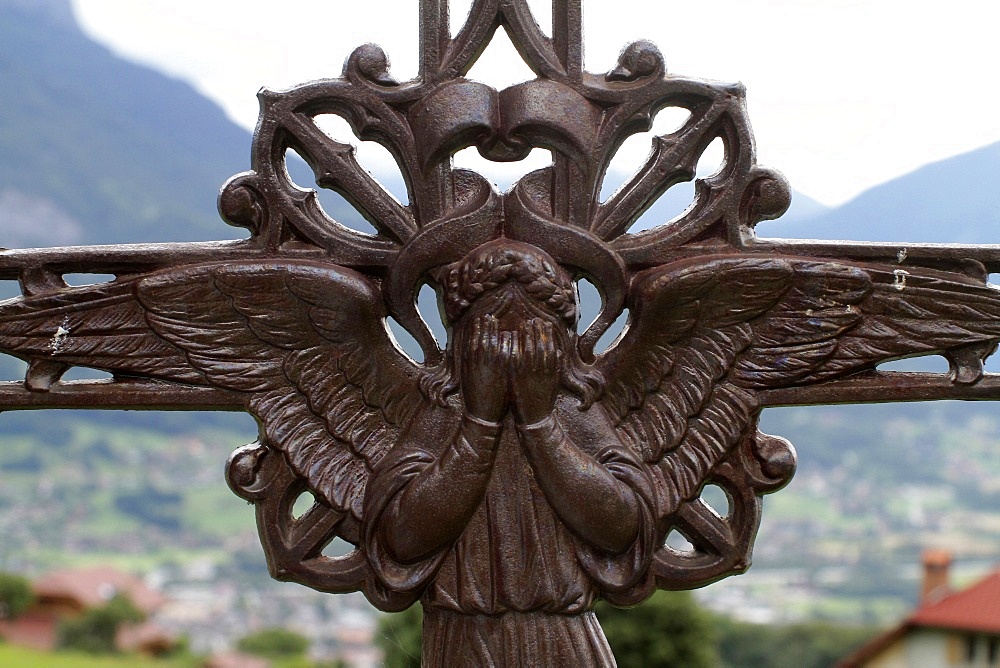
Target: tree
[276, 643]
[399, 638]
[807, 645]
[95, 631]
[15, 595]
[670, 629]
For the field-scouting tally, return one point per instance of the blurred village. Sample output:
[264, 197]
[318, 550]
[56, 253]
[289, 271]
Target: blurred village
[104, 616]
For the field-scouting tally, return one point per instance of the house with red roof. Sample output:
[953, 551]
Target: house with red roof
[69, 593]
[948, 628]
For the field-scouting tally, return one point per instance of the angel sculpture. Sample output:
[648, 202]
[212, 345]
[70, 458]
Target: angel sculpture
[521, 473]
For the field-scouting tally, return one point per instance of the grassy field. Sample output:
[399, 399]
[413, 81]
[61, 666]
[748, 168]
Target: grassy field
[19, 657]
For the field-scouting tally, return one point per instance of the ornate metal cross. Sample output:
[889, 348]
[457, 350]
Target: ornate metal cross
[518, 473]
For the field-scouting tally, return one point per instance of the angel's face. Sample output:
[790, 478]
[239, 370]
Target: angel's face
[512, 307]
[511, 291]
[513, 310]
[509, 282]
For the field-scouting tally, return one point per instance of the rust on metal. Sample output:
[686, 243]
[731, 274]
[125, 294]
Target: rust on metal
[521, 471]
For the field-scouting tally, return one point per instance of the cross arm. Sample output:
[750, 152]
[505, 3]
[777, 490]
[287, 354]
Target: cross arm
[883, 387]
[948, 257]
[118, 394]
[15, 264]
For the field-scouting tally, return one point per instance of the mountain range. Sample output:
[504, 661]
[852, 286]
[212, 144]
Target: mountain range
[100, 150]
[951, 201]
[97, 149]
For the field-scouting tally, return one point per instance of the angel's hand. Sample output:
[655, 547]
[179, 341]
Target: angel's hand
[483, 371]
[534, 373]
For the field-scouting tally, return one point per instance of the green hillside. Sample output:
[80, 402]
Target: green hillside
[140, 489]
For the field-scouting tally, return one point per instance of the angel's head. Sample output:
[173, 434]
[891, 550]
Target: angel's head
[514, 282]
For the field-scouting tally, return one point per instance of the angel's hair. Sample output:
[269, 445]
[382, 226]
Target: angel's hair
[478, 279]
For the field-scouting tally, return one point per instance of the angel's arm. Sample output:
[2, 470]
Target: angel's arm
[578, 482]
[599, 507]
[441, 492]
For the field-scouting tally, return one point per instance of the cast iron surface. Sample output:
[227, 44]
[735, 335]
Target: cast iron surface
[519, 472]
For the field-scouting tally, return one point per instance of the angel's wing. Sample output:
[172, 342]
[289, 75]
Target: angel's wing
[306, 343]
[707, 334]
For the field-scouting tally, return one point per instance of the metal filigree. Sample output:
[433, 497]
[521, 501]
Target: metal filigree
[519, 473]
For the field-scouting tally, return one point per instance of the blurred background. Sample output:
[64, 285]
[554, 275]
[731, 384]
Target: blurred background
[120, 120]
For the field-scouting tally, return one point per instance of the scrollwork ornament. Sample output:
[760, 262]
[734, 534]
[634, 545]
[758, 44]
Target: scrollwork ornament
[520, 472]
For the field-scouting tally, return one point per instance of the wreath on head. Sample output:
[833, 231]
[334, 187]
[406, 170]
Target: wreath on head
[494, 264]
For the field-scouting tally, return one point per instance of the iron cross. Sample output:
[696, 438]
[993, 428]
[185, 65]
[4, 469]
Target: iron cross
[518, 473]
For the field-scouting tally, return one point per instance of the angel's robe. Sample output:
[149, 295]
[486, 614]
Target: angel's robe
[517, 587]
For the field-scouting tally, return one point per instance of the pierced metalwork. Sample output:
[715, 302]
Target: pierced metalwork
[519, 473]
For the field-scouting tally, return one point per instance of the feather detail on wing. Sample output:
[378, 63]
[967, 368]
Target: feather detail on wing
[306, 342]
[670, 391]
[707, 334]
[110, 333]
[839, 319]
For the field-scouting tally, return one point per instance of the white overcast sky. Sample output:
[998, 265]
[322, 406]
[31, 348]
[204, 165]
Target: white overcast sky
[843, 94]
